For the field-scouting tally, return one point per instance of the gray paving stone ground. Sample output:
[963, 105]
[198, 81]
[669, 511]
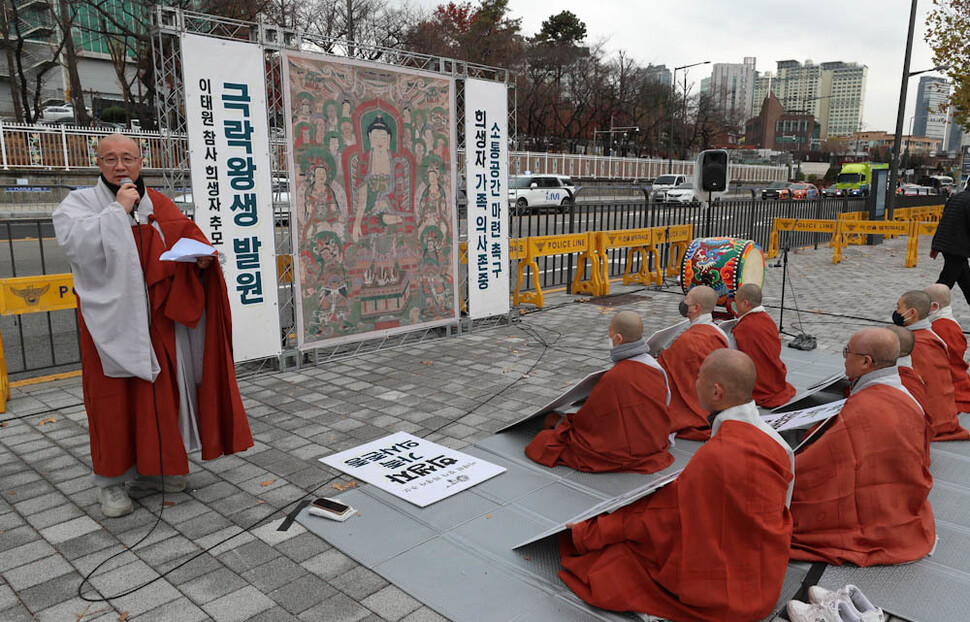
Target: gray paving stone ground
[451, 390]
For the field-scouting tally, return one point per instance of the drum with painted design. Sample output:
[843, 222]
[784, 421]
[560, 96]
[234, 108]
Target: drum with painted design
[723, 264]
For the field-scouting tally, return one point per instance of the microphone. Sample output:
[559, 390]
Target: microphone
[134, 208]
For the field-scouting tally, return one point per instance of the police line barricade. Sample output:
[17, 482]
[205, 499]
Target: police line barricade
[809, 225]
[912, 246]
[584, 244]
[926, 213]
[31, 294]
[846, 229]
[854, 239]
[644, 242]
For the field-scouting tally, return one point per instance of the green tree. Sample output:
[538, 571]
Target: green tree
[483, 34]
[947, 33]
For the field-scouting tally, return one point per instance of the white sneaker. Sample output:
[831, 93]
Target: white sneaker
[115, 501]
[154, 483]
[835, 611]
[853, 596]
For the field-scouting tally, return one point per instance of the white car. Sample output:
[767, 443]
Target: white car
[55, 113]
[537, 191]
[664, 183]
[683, 194]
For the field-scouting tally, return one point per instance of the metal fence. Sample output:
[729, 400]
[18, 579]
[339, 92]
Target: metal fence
[746, 219]
[61, 147]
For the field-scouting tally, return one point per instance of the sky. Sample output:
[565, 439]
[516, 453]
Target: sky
[679, 32]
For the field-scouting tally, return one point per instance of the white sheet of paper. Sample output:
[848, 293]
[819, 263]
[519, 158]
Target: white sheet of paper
[803, 419]
[812, 390]
[187, 250]
[412, 468]
[661, 340]
[563, 404]
[610, 505]
[728, 327]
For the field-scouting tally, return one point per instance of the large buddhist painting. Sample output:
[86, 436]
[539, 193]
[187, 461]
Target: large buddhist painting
[372, 197]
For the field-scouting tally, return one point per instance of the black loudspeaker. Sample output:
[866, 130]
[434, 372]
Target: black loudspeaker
[714, 170]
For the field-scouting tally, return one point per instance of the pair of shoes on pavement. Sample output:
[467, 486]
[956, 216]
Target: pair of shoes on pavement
[847, 604]
[115, 501]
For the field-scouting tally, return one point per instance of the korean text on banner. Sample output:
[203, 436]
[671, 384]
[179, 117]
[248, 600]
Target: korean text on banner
[225, 110]
[487, 180]
[412, 468]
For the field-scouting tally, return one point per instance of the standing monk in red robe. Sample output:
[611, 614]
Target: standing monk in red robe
[682, 362]
[756, 334]
[623, 425]
[948, 329]
[713, 545]
[156, 338]
[931, 362]
[862, 486]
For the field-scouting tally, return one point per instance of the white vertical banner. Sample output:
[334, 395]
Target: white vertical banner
[225, 111]
[487, 182]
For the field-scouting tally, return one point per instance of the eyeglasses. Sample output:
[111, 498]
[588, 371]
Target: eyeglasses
[126, 160]
[846, 352]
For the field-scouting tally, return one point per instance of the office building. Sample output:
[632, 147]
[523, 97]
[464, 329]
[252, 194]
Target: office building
[732, 88]
[832, 92]
[658, 73]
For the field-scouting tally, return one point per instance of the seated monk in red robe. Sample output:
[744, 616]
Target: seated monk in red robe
[949, 330]
[862, 486]
[623, 425]
[682, 362]
[713, 545]
[931, 362]
[756, 334]
[907, 375]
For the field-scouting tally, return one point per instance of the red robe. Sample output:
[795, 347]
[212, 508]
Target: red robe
[712, 546]
[121, 411]
[756, 334]
[956, 347]
[622, 426]
[917, 388]
[862, 486]
[682, 362]
[930, 361]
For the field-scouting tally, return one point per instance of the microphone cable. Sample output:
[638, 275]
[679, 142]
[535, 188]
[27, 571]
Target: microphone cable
[142, 261]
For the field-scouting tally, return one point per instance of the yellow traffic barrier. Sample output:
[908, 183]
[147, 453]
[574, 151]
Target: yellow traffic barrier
[31, 294]
[809, 225]
[637, 242]
[855, 239]
[584, 244]
[678, 238]
[848, 228]
[912, 246]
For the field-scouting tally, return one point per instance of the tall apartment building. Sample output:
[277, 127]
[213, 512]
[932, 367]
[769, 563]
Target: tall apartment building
[928, 120]
[832, 92]
[732, 87]
[658, 73]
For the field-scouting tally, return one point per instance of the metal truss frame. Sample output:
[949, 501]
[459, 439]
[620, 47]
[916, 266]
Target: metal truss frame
[170, 23]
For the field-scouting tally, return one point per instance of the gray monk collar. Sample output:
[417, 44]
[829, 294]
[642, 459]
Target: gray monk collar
[629, 350]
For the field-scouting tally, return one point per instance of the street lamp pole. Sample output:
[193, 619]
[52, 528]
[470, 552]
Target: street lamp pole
[900, 115]
[670, 113]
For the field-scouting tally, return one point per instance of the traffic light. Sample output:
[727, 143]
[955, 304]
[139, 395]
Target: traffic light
[712, 170]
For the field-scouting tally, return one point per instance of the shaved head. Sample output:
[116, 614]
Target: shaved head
[918, 300]
[726, 379]
[750, 292]
[628, 325]
[119, 141]
[906, 339]
[938, 293]
[879, 343]
[703, 296]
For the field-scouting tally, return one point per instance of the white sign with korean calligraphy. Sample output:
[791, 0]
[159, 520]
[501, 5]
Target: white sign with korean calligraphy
[225, 113]
[486, 185]
[803, 419]
[412, 468]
